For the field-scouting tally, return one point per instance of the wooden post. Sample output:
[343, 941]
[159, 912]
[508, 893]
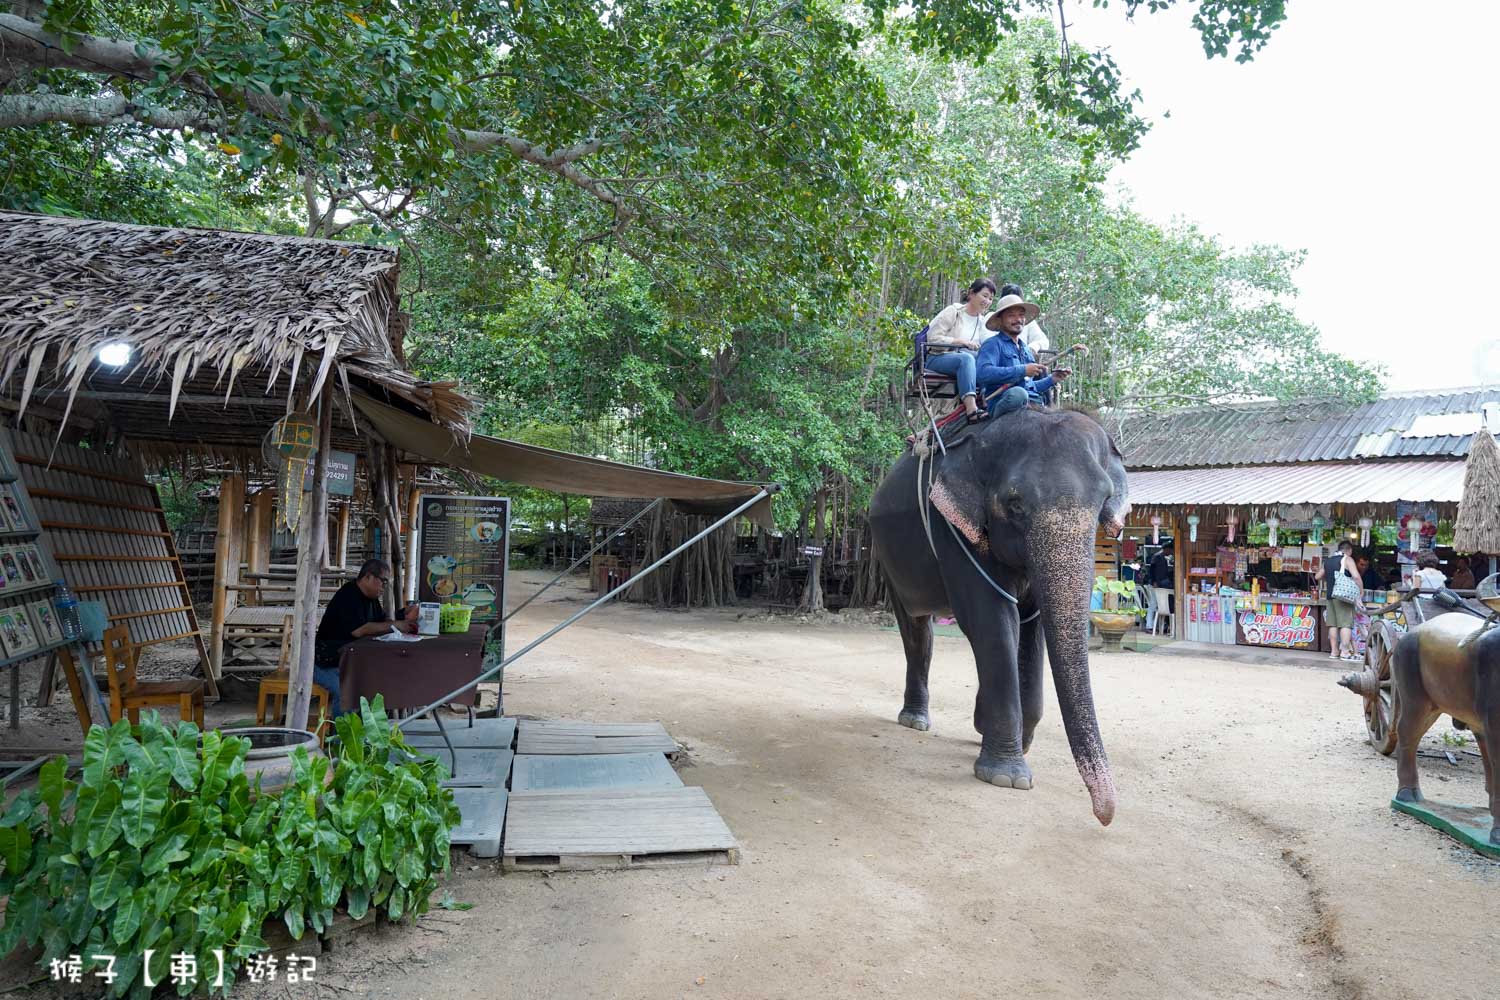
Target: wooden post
[341, 543]
[260, 529]
[413, 505]
[1180, 553]
[226, 565]
[312, 535]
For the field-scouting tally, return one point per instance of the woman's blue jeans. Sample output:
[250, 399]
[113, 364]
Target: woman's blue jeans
[959, 364]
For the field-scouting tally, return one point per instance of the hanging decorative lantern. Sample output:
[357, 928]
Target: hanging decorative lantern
[1230, 521]
[290, 446]
[1155, 529]
[1365, 524]
[1317, 530]
[1272, 523]
[1414, 532]
[1192, 520]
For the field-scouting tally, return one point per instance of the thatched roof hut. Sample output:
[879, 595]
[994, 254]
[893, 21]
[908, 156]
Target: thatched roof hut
[1478, 526]
[225, 329]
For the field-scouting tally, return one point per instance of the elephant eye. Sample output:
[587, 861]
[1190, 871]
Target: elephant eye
[1014, 507]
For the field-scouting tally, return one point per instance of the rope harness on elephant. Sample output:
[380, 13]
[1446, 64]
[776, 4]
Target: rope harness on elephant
[926, 470]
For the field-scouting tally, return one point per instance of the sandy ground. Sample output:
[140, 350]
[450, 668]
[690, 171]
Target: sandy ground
[1254, 853]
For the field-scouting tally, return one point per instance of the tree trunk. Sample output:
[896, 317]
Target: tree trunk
[812, 591]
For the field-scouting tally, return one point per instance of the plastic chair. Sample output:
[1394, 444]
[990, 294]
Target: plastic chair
[1164, 617]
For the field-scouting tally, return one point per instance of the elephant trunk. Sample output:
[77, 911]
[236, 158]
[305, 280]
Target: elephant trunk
[1062, 552]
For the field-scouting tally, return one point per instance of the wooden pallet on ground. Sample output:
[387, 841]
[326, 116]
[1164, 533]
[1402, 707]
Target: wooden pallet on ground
[562, 773]
[632, 828]
[564, 736]
[496, 734]
[483, 817]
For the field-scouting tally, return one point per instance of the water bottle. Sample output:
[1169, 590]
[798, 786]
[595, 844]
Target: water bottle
[67, 613]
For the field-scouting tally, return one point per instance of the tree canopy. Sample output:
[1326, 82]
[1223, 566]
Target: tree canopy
[694, 233]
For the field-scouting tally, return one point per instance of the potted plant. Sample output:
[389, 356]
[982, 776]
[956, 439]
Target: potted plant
[1111, 622]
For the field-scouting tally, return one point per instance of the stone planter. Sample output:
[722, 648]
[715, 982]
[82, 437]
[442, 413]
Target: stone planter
[270, 754]
[1112, 627]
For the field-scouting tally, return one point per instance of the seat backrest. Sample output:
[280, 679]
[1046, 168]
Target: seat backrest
[919, 342]
[283, 664]
[119, 659]
[1163, 602]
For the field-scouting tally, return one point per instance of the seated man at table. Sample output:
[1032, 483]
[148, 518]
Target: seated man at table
[353, 613]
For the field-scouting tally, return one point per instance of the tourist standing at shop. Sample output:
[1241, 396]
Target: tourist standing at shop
[1429, 577]
[1341, 600]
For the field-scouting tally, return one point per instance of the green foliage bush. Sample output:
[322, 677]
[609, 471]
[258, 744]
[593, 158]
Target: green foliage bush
[164, 844]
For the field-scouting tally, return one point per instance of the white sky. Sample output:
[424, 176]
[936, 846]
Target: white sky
[1362, 134]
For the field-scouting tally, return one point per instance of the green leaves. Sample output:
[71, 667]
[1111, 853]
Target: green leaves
[165, 850]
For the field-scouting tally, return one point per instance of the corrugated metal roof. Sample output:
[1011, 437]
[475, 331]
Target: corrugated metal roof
[1310, 482]
[1310, 431]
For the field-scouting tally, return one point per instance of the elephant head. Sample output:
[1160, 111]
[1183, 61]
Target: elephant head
[1031, 490]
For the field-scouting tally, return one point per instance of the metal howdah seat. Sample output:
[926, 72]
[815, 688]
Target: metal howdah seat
[934, 385]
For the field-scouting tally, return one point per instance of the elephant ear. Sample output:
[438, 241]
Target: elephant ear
[959, 495]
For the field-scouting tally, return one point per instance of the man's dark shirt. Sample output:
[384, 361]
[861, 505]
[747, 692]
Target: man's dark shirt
[1160, 573]
[1371, 579]
[348, 610]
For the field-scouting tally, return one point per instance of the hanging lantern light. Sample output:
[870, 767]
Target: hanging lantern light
[1192, 520]
[1317, 530]
[1365, 524]
[1272, 523]
[1155, 529]
[1414, 532]
[1230, 521]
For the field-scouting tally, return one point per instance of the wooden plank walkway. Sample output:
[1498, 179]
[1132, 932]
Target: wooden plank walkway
[636, 828]
[476, 768]
[483, 811]
[556, 773]
[563, 736]
[485, 733]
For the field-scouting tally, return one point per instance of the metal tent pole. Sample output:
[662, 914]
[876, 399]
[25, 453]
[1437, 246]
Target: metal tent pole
[577, 562]
[727, 518]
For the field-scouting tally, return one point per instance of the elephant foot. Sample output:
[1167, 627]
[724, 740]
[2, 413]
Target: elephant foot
[1408, 795]
[1007, 772]
[915, 718]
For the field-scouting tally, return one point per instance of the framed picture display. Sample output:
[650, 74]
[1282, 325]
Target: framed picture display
[10, 509]
[10, 567]
[16, 634]
[33, 557]
[44, 622]
[7, 467]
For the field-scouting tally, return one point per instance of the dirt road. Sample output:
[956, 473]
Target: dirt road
[1254, 853]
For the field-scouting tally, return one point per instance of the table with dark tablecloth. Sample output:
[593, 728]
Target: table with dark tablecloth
[411, 674]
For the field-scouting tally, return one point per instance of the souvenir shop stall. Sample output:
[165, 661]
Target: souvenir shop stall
[1245, 575]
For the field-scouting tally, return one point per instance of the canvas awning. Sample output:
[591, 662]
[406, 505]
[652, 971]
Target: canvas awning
[561, 471]
[1304, 482]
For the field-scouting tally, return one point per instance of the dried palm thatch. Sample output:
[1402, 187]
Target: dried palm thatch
[211, 316]
[1478, 526]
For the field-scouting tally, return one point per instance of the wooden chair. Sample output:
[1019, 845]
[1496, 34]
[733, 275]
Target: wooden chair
[127, 696]
[271, 697]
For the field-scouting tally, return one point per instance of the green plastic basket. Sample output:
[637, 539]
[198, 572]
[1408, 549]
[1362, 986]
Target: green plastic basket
[454, 617]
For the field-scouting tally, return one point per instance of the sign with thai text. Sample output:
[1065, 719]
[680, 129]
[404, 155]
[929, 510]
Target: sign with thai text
[1297, 628]
[461, 552]
[340, 474]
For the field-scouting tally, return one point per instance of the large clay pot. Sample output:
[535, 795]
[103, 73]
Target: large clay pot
[1112, 627]
[270, 754]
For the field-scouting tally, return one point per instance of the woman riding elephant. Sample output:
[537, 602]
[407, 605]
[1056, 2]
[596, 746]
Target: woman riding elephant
[959, 330]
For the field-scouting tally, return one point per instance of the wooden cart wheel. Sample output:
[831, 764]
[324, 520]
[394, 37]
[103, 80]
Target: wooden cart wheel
[1380, 701]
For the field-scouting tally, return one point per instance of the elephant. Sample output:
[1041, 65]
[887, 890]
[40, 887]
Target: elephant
[1445, 666]
[1022, 496]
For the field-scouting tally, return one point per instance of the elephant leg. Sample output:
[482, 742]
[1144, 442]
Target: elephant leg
[916, 640]
[991, 631]
[1417, 715]
[1029, 662]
